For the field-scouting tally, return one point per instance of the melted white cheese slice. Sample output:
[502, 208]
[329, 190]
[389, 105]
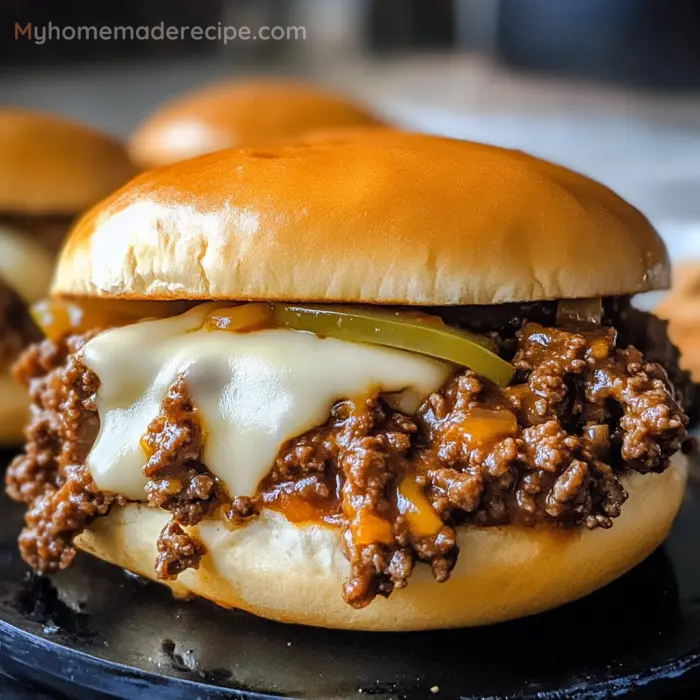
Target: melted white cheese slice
[25, 265]
[254, 391]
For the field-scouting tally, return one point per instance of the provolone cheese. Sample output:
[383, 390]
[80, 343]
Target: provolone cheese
[254, 391]
[25, 265]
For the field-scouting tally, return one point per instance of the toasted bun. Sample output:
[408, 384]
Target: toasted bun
[232, 114]
[293, 573]
[14, 411]
[397, 219]
[49, 165]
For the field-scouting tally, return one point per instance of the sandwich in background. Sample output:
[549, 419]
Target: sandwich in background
[240, 113]
[51, 170]
[682, 310]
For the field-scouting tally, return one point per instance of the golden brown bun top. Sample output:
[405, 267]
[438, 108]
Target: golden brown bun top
[50, 165]
[393, 219]
[235, 114]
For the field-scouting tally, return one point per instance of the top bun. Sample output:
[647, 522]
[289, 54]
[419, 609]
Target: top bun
[49, 165]
[232, 114]
[393, 219]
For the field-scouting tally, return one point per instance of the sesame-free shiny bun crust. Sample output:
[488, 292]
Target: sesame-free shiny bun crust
[396, 218]
[293, 573]
[50, 165]
[240, 113]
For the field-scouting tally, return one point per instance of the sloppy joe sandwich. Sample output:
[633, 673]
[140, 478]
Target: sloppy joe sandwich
[378, 384]
[50, 171]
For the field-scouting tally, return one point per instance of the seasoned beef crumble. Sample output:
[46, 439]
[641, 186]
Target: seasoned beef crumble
[178, 481]
[584, 409]
[586, 414]
[51, 476]
[369, 445]
[177, 551]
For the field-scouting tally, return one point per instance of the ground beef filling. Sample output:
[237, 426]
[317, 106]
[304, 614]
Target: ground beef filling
[178, 481]
[582, 411]
[549, 448]
[51, 477]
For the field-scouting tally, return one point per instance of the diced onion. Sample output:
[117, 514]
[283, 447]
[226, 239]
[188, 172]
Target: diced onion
[240, 318]
[574, 311]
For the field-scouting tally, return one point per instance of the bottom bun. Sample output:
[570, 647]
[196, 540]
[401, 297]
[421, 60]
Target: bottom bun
[293, 573]
[14, 412]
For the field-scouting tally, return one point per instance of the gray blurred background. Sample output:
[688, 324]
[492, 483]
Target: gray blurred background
[610, 87]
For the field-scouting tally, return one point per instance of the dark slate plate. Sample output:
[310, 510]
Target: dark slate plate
[94, 631]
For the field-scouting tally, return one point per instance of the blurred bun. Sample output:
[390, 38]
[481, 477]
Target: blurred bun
[25, 265]
[682, 310]
[49, 165]
[240, 113]
[397, 218]
[293, 573]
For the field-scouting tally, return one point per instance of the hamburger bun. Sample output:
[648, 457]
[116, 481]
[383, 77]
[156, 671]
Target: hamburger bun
[293, 573]
[235, 114]
[50, 165]
[397, 219]
[342, 135]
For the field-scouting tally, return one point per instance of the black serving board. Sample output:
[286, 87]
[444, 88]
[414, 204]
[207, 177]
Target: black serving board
[94, 631]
